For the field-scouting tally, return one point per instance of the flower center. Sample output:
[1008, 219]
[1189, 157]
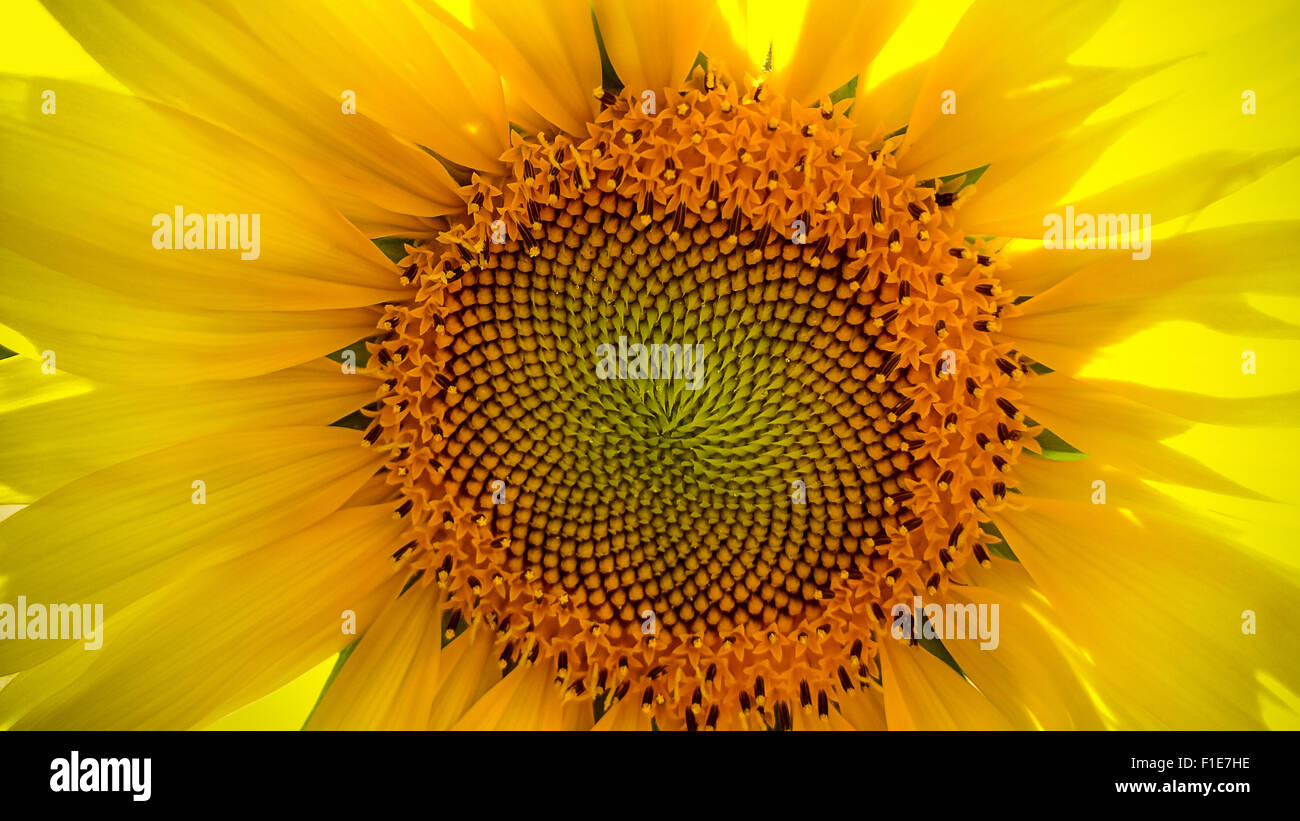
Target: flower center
[685, 408]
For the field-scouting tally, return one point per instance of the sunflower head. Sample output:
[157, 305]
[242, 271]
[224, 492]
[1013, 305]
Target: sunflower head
[701, 364]
[728, 540]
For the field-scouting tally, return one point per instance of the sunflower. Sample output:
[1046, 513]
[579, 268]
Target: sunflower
[669, 365]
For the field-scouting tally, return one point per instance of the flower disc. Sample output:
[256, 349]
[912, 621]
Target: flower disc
[690, 405]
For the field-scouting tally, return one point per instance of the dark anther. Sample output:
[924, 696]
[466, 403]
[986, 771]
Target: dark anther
[846, 681]
[955, 535]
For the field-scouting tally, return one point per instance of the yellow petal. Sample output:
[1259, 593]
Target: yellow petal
[33, 43]
[999, 49]
[547, 52]
[923, 693]
[109, 337]
[726, 46]
[1019, 669]
[522, 115]
[50, 442]
[123, 167]
[884, 109]
[653, 46]
[467, 668]
[93, 191]
[374, 221]
[411, 73]
[1034, 269]
[863, 708]
[1142, 593]
[1255, 256]
[625, 714]
[118, 534]
[1280, 410]
[205, 60]
[753, 30]
[388, 681]
[1018, 207]
[837, 41]
[527, 699]
[207, 644]
[285, 708]
[376, 490]
[1068, 339]
[1009, 121]
[1257, 42]
[1044, 169]
[1120, 432]
[1204, 276]
[809, 719]
[887, 88]
[1075, 481]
